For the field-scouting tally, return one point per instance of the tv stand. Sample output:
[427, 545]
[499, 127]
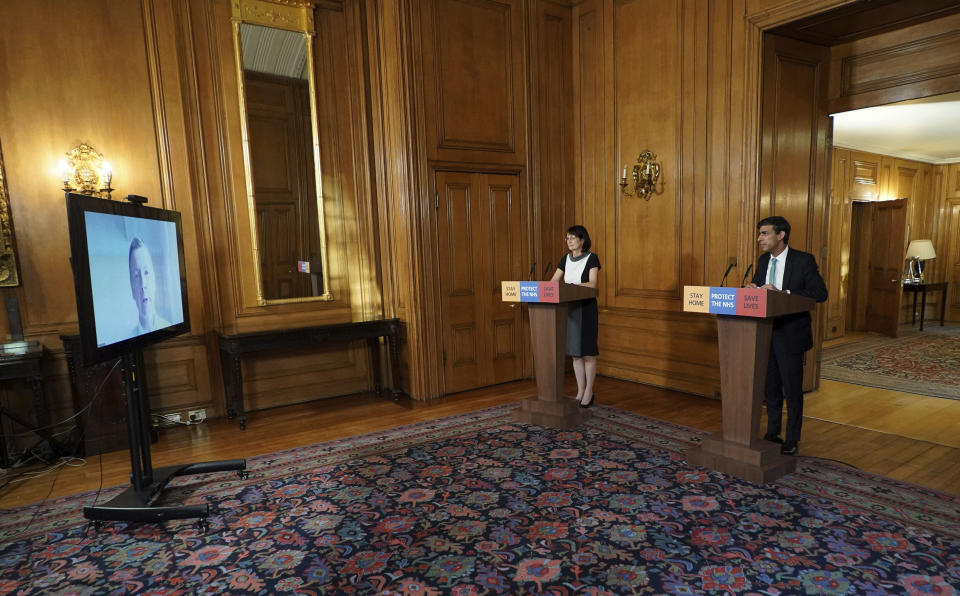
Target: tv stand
[133, 504]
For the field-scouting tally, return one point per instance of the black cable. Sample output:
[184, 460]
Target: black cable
[96, 396]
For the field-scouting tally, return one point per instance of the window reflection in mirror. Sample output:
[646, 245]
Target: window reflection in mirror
[287, 213]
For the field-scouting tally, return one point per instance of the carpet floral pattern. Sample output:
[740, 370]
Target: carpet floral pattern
[925, 363]
[478, 504]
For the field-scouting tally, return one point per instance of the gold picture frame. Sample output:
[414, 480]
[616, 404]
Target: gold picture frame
[9, 270]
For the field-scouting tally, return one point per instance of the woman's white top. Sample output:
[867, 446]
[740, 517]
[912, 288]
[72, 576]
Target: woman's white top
[573, 269]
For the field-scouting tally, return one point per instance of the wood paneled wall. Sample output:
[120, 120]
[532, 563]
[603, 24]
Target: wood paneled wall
[948, 180]
[561, 95]
[865, 176]
[908, 63]
[152, 86]
[687, 88]
[116, 86]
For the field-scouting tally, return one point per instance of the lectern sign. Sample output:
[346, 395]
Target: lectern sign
[752, 302]
[744, 302]
[530, 291]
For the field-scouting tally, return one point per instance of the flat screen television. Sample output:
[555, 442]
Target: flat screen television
[129, 274]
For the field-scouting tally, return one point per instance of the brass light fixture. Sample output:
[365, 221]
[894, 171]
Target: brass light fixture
[645, 173]
[86, 172]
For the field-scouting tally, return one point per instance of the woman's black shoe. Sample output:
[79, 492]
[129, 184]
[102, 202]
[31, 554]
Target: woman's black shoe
[588, 404]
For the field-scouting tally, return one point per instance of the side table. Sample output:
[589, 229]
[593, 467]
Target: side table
[922, 289]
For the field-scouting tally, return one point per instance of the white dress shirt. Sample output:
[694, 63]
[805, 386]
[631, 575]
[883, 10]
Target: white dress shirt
[781, 260]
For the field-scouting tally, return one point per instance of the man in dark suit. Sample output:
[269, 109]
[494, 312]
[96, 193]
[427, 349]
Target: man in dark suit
[795, 272]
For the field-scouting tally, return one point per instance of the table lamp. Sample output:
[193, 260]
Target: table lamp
[919, 251]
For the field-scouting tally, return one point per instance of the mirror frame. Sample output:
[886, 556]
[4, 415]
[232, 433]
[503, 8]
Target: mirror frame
[9, 270]
[295, 16]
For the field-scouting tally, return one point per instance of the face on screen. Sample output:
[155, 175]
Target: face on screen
[143, 284]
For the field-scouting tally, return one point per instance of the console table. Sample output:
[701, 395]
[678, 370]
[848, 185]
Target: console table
[922, 289]
[234, 347]
[22, 361]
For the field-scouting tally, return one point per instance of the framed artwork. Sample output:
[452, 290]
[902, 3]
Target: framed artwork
[9, 272]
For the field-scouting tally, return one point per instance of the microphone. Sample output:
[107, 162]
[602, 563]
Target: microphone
[746, 275]
[547, 269]
[533, 267]
[725, 274]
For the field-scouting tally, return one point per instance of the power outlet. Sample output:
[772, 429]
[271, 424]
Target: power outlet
[165, 420]
[197, 415]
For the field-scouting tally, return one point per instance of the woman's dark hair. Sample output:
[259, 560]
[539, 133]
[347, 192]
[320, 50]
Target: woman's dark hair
[581, 233]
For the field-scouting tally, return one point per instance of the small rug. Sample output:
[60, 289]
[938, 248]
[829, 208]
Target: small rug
[479, 504]
[922, 362]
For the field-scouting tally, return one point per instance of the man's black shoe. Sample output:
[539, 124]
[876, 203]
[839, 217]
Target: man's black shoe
[789, 448]
[772, 438]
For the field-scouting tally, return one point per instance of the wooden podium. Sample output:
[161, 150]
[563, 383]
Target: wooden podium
[548, 333]
[744, 326]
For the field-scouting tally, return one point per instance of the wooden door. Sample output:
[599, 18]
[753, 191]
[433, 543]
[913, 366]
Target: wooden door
[794, 161]
[888, 227]
[952, 273]
[480, 231]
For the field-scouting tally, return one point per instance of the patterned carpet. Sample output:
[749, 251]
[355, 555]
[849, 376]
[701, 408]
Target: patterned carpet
[925, 363]
[478, 504]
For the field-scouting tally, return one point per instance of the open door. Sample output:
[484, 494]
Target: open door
[886, 251]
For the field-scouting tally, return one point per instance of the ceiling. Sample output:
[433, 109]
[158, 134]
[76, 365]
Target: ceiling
[926, 130]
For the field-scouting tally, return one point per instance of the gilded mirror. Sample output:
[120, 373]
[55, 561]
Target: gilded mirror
[9, 274]
[281, 148]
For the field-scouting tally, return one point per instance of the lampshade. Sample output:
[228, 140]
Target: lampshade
[921, 249]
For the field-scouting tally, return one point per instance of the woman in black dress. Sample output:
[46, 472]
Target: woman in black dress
[581, 267]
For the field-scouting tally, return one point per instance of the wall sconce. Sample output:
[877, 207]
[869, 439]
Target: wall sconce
[646, 173]
[918, 252]
[86, 172]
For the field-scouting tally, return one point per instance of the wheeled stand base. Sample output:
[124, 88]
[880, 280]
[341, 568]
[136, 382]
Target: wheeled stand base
[132, 505]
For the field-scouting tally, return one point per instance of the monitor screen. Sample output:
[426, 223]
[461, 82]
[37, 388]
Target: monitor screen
[129, 274]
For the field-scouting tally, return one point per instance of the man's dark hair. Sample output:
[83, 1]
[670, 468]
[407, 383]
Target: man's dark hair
[780, 224]
[581, 233]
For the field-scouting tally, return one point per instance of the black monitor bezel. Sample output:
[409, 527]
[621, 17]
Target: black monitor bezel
[77, 207]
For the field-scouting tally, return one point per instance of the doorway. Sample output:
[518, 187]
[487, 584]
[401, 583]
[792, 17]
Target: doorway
[877, 242]
[481, 227]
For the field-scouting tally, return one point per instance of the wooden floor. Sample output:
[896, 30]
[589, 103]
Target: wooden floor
[895, 434]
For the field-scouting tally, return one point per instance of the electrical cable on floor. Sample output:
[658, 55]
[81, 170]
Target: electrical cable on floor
[60, 466]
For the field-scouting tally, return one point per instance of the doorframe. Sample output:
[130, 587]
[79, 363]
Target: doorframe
[435, 167]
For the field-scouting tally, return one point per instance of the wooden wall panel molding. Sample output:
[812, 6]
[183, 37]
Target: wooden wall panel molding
[551, 169]
[405, 201]
[644, 266]
[844, 174]
[897, 65]
[473, 64]
[679, 349]
[913, 62]
[590, 62]
[765, 14]
[278, 380]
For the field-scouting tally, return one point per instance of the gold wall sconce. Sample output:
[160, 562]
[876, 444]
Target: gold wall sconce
[646, 173]
[86, 172]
